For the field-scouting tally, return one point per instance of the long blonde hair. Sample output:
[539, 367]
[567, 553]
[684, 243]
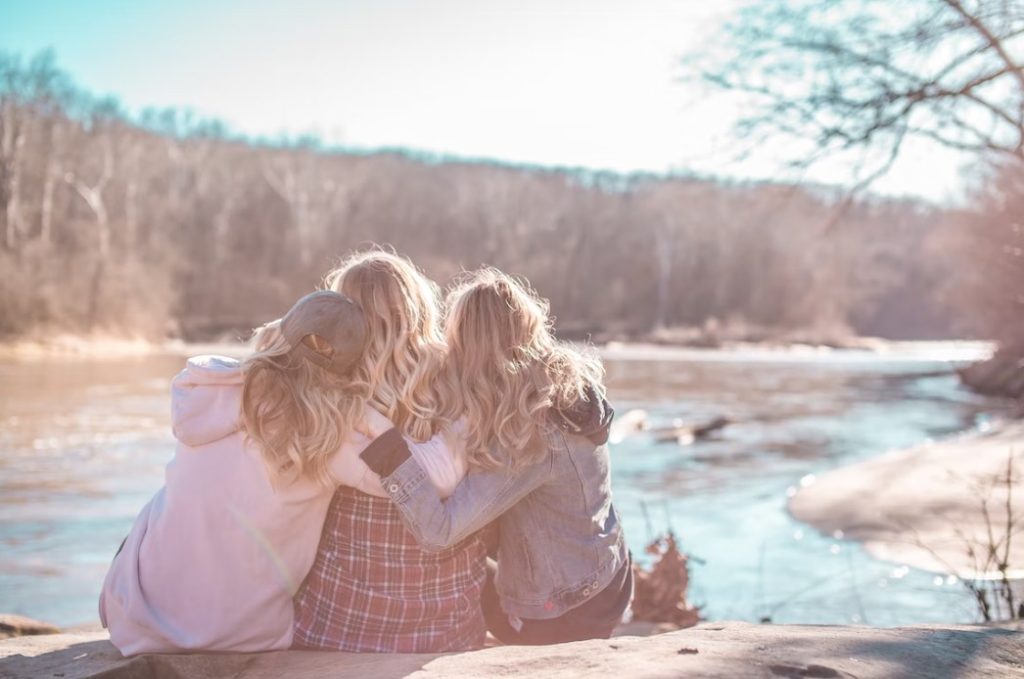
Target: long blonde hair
[507, 368]
[296, 412]
[405, 352]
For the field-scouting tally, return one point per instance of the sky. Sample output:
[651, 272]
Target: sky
[583, 83]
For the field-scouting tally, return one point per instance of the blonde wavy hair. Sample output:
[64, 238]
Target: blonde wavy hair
[507, 368]
[405, 353]
[296, 412]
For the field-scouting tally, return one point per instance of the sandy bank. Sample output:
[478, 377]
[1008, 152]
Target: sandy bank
[926, 506]
[712, 650]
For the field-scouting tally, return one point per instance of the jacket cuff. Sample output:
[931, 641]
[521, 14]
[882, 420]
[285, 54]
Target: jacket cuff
[386, 453]
[404, 481]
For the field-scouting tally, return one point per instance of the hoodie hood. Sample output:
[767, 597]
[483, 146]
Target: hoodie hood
[206, 400]
[591, 417]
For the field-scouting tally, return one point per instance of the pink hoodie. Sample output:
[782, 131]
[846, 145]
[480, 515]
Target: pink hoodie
[213, 560]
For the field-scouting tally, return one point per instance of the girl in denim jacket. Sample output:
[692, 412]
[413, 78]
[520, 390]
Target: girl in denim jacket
[532, 415]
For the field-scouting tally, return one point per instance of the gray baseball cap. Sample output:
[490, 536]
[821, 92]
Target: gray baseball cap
[335, 320]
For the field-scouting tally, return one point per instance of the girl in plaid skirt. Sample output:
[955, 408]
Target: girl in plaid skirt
[372, 587]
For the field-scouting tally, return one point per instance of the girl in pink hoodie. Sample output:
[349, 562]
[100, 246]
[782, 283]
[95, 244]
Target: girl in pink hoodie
[213, 560]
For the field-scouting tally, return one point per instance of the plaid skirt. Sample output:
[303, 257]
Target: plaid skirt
[372, 588]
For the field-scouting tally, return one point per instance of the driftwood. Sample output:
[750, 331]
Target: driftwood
[627, 424]
[685, 434]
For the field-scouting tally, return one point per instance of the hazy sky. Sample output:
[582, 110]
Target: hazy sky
[558, 82]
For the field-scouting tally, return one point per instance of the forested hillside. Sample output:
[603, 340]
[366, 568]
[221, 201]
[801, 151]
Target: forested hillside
[162, 225]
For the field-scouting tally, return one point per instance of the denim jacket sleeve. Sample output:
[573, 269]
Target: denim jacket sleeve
[481, 497]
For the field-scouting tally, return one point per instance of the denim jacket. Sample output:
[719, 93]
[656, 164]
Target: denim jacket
[560, 538]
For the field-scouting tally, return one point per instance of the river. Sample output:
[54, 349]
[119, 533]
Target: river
[83, 444]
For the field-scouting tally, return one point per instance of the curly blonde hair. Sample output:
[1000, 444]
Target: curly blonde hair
[405, 352]
[296, 412]
[506, 367]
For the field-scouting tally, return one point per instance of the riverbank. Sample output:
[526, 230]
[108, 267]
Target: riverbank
[104, 347]
[1000, 375]
[107, 347]
[936, 506]
[711, 650]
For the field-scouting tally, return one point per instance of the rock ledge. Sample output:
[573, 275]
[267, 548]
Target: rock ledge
[709, 650]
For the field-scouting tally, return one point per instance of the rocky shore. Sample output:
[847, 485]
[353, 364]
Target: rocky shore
[1000, 375]
[710, 650]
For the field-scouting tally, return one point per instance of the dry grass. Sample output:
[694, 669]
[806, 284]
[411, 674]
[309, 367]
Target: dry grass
[660, 592]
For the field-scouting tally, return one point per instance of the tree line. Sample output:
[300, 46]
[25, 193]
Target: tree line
[160, 224]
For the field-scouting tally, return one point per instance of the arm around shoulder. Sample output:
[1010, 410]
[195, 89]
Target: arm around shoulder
[481, 497]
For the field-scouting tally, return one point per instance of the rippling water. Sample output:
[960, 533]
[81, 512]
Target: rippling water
[83, 445]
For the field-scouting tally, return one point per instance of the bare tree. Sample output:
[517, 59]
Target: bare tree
[12, 142]
[857, 79]
[293, 176]
[92, 194]
[861, 76]
[50, 182]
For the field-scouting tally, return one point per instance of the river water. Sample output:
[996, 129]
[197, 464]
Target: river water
[83, 445]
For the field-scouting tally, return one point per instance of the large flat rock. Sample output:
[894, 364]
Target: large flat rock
[710, 650]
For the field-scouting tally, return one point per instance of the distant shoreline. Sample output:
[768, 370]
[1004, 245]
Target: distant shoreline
[107, 347]
[870, 349]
